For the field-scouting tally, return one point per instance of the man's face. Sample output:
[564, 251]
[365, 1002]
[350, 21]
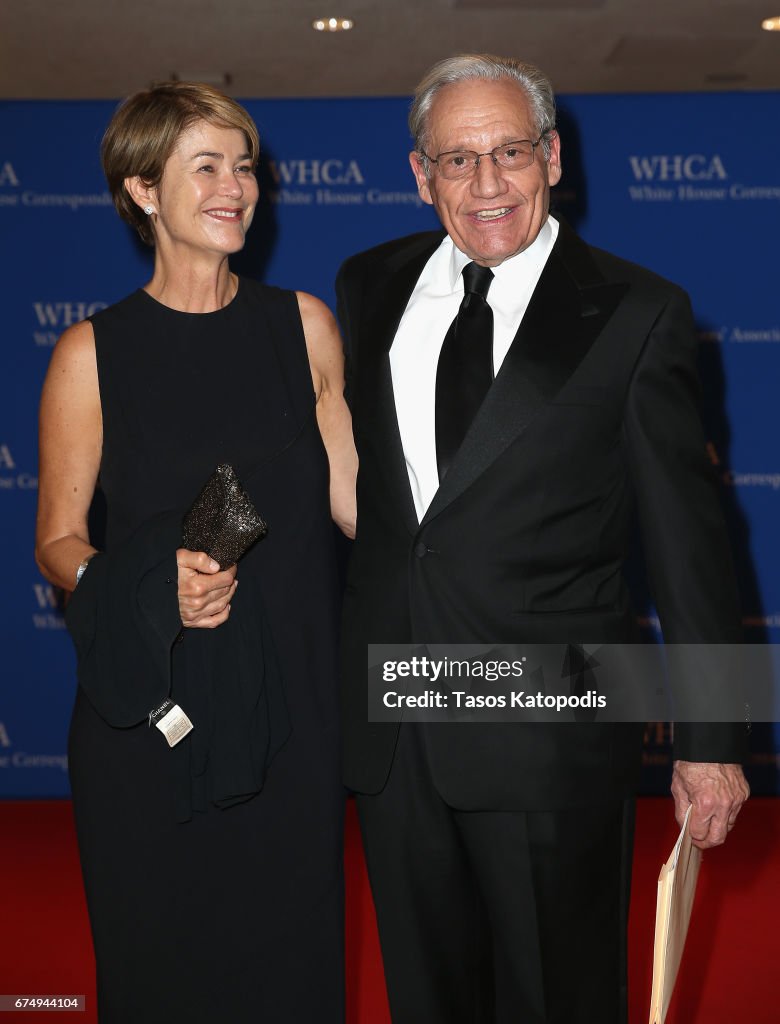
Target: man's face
[492, 213]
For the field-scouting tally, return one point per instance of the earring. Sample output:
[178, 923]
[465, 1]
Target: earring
[148, 209]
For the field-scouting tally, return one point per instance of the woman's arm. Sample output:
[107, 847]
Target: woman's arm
[326, 359]
[71, 443]
[71, 440]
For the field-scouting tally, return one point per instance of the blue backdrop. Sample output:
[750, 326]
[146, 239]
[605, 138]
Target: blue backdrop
[688, 185]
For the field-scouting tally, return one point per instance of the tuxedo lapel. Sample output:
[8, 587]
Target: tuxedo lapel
[385, 304]
[568, 310]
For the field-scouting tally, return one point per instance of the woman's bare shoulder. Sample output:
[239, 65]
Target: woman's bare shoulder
[75, 345]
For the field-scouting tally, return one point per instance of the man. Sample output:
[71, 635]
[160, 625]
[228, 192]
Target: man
[498, 510]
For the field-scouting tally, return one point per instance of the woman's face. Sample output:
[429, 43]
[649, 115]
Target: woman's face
[208, 192]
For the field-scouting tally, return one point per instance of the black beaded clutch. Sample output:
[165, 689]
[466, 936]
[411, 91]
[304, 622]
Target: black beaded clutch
[222, 521]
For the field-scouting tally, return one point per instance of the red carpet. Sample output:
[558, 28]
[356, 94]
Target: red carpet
[729, 975]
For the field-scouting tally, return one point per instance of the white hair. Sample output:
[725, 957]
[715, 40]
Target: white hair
[465, 67]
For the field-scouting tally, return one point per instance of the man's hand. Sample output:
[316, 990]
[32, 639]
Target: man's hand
[717, 792]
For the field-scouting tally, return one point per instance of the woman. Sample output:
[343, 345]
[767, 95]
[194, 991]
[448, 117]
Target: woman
[212, 867]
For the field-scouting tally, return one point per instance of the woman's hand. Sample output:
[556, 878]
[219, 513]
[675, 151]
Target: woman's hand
[205, 592]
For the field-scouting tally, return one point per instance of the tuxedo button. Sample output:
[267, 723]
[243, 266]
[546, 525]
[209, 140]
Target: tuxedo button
[420, 549]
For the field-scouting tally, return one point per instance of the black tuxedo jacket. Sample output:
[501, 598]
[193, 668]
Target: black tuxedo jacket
[592, 415]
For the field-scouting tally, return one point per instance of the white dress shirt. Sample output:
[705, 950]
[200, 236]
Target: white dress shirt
[414, 355]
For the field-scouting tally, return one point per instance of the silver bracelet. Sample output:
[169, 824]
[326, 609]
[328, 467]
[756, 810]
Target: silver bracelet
[83, 565]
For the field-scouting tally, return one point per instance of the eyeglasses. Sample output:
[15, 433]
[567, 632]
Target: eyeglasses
[462, 163]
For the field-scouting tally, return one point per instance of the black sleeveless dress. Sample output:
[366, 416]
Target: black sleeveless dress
[235, 914]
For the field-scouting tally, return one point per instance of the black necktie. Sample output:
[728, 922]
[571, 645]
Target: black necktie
[465, 370]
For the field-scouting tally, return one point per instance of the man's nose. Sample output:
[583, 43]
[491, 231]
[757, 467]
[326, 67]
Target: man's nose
[488, 180]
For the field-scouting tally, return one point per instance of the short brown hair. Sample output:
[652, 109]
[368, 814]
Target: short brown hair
[144, 131]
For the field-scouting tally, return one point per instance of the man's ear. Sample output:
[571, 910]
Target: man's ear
[554, 167]
[423, 185]
[142, 194]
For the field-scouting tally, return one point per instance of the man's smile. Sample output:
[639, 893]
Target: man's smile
[489, 215]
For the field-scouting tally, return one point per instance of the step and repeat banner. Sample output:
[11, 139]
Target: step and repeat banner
[688, 185]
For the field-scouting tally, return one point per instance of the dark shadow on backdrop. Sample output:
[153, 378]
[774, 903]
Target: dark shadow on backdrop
[761, 770]
[254, 258]
[718, 432]
[569, 199]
